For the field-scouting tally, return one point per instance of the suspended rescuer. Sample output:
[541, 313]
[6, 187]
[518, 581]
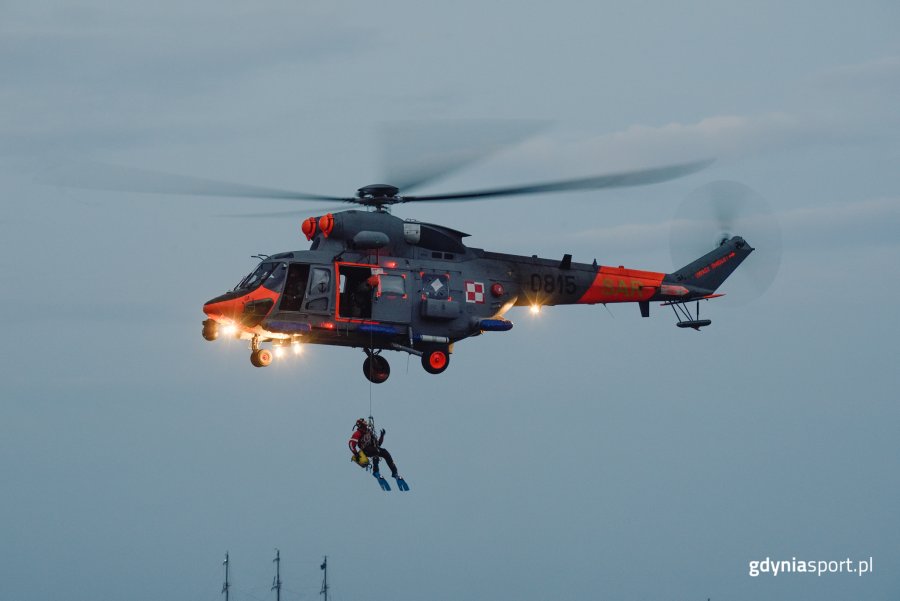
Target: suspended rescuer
[364, 445]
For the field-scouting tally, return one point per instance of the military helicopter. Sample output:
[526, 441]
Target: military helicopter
[374, 281]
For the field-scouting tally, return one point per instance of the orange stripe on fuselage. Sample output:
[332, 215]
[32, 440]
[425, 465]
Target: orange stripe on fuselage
[232, 309]
[620, 285]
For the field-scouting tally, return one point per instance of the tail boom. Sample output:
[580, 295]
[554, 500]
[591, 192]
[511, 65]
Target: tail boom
[549, 282]
[697, 280]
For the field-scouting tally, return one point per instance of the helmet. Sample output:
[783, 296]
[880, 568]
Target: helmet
[361, 424]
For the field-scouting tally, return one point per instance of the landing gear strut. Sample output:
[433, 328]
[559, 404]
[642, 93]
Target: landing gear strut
[686, 319]
[376, 367]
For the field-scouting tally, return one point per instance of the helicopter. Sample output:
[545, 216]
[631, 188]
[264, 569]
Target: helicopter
[373, 281]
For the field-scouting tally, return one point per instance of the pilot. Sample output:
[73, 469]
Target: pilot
[364, 445]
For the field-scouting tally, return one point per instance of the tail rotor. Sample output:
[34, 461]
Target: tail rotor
[711, 215]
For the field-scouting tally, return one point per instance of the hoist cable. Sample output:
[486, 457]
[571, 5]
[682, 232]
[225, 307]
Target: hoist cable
[371, 369]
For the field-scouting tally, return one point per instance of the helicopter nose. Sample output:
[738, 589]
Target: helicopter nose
[226, 306]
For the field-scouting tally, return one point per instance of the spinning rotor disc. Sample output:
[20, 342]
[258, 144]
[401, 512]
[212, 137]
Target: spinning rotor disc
[718, 211]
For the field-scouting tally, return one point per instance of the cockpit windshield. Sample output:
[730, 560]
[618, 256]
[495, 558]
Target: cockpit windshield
[268, 273]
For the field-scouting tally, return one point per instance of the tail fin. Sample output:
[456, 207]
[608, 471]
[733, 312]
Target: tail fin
[709, 271]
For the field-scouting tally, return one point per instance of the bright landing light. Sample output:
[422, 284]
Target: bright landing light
[298, 348]
[535, 309]
[279, 351]
[229, 330]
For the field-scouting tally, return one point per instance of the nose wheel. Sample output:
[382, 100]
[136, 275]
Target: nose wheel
[376, 368]
[259, 357]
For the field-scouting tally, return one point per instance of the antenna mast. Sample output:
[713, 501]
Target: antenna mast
[324, 567]
[276, 584]
[227, 585]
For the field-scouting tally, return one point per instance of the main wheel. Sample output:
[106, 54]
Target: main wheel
[261, 357]
[435, 361]
[376, 368]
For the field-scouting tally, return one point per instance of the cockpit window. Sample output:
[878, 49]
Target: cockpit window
[276, 277]
[269, 273]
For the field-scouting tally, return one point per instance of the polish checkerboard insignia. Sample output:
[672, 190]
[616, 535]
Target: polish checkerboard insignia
[474, 292]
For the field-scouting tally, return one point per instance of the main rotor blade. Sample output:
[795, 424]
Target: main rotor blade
[417, 152]
[102, 176]
[615, 180]
[280, 214]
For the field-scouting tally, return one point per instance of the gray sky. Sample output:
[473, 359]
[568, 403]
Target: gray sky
[579, 455]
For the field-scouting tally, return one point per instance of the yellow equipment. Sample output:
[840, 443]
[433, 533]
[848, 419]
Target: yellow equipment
[360, 459]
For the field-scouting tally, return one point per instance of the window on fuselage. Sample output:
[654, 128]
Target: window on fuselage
[321, 278]
[270, 273]
[393, 285]
[276, 277]
[319, 286]
[295, 288]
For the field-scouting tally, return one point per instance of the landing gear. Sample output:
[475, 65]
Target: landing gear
[210, 330]
[685, 318]
[259, 357]
[376, 368]
[435, 361]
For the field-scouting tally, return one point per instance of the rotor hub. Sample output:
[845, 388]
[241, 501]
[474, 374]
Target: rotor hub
[377, 192]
